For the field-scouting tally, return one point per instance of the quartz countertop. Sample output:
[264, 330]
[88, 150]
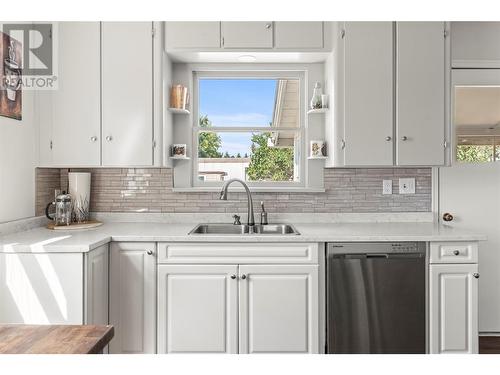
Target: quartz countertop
[42, 240]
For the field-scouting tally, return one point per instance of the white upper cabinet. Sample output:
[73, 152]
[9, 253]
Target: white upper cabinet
[475, 44]
[420, 93]
[247, 34]
[192, 35]
[302, 35]
[368, 93]
[70, 115]
[390, 94]
[127, 93]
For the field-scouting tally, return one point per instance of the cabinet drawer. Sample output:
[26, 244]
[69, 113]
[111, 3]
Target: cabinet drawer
[453, 252]
[239, 253]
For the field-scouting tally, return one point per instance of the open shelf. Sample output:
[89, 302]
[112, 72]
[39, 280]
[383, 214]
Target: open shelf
[318, 110]
[179, 158]
[317, 157]
[179, 111]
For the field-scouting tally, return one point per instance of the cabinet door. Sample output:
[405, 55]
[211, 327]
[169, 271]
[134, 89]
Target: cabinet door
[75, 109]
[303, 35]
[453, 308]
[279, 309]
[247, 34]
[197, 309]
[420, 96]
[127, 93]
[192, 35]
[96, 286]
[132, 308]
[368, 93]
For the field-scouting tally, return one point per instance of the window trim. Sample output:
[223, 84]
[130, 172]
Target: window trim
[301, 75]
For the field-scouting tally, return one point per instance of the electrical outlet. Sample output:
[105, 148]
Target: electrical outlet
[386, 186]
[406, 186]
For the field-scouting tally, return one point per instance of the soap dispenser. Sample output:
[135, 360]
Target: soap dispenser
[263, 215]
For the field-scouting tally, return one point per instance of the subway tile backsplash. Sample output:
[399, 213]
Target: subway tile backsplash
[150, 190]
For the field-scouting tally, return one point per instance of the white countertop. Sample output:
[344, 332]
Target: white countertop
[41, 240]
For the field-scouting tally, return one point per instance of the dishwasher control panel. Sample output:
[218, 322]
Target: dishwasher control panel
[376, 247]
[404, 247]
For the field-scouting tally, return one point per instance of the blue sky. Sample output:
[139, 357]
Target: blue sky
[239, 103]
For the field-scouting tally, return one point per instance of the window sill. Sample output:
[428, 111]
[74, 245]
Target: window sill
[253, 189]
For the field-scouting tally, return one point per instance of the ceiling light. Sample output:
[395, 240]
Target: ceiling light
[247, 58]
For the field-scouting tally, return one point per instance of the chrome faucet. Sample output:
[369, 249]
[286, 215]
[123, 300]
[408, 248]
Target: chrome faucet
[223, 196]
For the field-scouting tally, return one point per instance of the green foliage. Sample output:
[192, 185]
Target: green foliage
[209, 143]
[269, 163]
[474, 154]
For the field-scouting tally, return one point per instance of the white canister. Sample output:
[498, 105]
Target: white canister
[79, 189]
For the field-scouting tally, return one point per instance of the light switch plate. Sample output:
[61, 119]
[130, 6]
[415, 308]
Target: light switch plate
[406, 186]
[386, 186]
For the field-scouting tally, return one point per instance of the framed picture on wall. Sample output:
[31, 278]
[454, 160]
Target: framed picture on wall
[10, 77]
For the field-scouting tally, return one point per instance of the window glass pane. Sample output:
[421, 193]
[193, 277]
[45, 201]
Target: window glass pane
[477, 123]
[249, 102]
[250, 156]
[472, 149]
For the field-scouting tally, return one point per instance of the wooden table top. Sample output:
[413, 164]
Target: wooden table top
[54, 339]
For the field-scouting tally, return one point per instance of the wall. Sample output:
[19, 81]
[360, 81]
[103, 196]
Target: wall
[150, 190]
[18, 158]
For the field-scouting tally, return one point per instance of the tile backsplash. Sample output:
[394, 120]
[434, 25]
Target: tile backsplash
[150, 190]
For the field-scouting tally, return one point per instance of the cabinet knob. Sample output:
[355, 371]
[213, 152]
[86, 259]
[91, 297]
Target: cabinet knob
[456, 252]
[388, 138]
[404, 138]
[233, 277]
[268, 25]
[447, 216]
[109, 138]
[150, 252]
[243, 277]
[476, 275]
[93, 139]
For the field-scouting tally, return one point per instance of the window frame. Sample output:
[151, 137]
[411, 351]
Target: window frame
[299, 151]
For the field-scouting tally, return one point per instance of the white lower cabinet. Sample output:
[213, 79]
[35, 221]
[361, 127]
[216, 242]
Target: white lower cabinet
[278, 309]
[54, 288]
[197, 309]
[453, 292]
[238, 307]
[132, 303]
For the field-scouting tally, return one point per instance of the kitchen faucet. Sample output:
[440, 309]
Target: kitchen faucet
[223, 196]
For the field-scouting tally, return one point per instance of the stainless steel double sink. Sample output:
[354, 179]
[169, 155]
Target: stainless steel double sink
[243, 229]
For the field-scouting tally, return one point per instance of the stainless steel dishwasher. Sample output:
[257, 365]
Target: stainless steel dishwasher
[376, 300]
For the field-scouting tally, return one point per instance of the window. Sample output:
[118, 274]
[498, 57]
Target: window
[248, 125]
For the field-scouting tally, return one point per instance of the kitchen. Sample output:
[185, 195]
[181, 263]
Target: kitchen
[253, 187]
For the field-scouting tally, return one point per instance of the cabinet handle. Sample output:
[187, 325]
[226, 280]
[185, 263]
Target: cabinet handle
[93, 139]
[268, 25]
[243, 277]
[388, 138]
[342, 144]
[476, 275]
[233, 277]
[456, 252]
[404, 138]
[109, 138]
[150, 252]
